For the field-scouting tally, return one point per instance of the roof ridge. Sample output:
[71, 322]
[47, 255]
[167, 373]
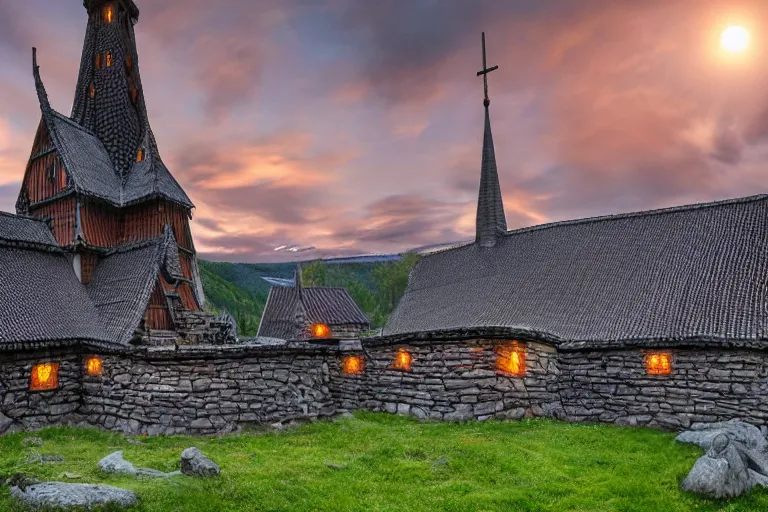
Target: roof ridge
[641, 213]
[23, 216]
[75, 124]
[131, 246]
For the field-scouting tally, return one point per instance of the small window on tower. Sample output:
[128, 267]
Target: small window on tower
[92, 91]
[108, 59]
[97, 61]
[134, 94]
[109, 14]
[52, 171]
[140, 155]
[128, 62]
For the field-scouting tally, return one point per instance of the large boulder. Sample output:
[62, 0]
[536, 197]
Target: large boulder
[66, 496]
[735, 461]
[194, 463]
[721, 473]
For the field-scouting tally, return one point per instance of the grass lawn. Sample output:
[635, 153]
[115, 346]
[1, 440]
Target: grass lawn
[385, 462]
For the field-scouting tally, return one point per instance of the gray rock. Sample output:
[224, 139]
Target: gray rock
[32, 441]
[115, 463]
[194, 463]
[335, 466]
[702, 434]
[721, 473]
[736, 459]
[67, 495]
[5, 422]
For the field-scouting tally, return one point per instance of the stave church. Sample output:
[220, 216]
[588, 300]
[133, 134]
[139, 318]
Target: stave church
[649, 318]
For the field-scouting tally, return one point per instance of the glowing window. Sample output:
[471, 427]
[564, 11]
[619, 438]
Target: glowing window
[92, 91]
[128, 62]
[134, 94]
[97, 61]
[108, 59]
[321, 331]
[402, 360]
[511, 359]
[140, 155]
[44, 377]
[109, 14]
[352, 365]
[93, 366]
[658, 363]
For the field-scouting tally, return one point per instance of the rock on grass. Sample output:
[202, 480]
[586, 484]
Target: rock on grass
[69, 496]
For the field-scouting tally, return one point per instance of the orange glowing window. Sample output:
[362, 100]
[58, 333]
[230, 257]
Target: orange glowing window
[140, 155]
[44, 376]
[321, 331]
[402, 360]
[92, 91]
[97, 62]
[352, 365]
[658, 363]
[511, 359]
[93, 366]
[134, 94]
[109, 14]
[128, 62]
[108, 59]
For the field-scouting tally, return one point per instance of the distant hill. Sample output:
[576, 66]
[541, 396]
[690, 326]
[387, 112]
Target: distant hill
[241, 289]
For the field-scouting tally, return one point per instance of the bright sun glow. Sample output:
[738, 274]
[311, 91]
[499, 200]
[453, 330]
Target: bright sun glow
[734, 39]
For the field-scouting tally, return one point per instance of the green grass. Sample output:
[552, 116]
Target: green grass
[394, 463]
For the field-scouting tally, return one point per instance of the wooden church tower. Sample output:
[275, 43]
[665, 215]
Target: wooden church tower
[97, 175]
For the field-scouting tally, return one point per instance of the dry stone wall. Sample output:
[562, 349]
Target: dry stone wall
[212, 389]
[451, 380]
[172, 391]
[704, 386]
[22, 409]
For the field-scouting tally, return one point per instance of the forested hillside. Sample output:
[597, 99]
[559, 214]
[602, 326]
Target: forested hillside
[240, 288]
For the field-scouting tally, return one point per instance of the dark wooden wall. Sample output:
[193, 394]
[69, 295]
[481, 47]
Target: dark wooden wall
[45, 176]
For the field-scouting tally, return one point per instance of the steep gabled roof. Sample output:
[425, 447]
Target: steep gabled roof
[41, 298]
[331, 306]
[123, 281]
[89, 165]
[690, 272]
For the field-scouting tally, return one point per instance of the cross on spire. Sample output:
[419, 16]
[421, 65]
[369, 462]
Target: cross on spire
[485, 72]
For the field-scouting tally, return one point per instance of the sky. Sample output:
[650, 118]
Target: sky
[355, 126]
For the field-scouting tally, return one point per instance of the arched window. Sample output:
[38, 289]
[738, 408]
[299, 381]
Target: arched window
[109, 14]
[97, 61]
[108, 59]
[134, 93]
[92, 91]
[128, 62]
[140, 155]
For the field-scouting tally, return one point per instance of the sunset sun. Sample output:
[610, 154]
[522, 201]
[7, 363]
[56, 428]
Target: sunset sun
[734, 39]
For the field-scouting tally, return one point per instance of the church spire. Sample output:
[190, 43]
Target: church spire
[108, 99]
[491, 221]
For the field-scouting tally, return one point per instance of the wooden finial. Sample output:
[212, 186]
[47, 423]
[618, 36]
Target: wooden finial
[484, 72]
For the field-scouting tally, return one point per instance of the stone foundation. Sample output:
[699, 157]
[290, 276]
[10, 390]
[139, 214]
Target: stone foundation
[210, 389]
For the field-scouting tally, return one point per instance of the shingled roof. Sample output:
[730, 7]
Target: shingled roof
[685, 273]
[123, 281]
[322, 304]
[90, 166]
[41, 298]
